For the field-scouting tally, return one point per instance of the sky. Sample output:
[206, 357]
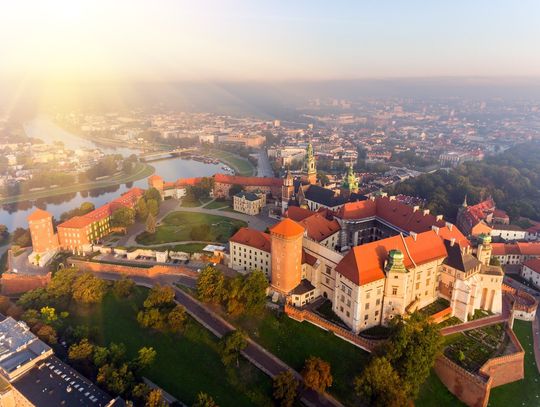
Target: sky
[200, 40]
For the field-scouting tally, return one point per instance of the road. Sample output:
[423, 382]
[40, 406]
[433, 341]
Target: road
[264, 169]
[256, 354]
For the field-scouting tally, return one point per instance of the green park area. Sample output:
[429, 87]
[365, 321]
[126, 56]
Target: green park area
[140, 171]
[218, 204]
[185, 226]
[185, 364]
[193, 202]
[241, 165]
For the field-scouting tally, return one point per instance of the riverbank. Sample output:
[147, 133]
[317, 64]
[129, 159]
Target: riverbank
[141, 171]
[239, 164]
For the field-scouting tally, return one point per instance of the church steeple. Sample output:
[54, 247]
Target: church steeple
[350, 183]
[309, 168]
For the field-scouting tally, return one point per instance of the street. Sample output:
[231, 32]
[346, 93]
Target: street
[264, 169]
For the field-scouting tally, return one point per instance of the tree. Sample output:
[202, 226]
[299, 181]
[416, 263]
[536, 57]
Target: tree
[48, 334]
[31, 317]
[5, 303]
[81, 351]
[88, 289]
[200, 232]
[33, 299]
[145, 357]
[153, 207]
[234, 295]
[117, 352]
[152, 318]
[254, 291]
[231, 346]
[141, 209]
[316, 374]
[152, 194]
[159, 296]
[150, 224]
[4, 234]
[21, 237]
[48, 314]
[210, 285]
[61, 285]
[116, 380]
[177, 318]
[100, 356]
[155, 399]
[140, 391]
[285, 388]
[123, 287]
[412, 349]
[123, 217]
[204, 400]
[234, 189]
[379, 385]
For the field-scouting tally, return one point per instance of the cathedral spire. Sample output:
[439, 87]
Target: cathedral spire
[309, 168]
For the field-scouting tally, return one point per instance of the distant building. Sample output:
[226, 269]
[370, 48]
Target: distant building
[250, 203]
[516, 253]
[44, 240]
[531, 271]
[480, 218]
[30, 374]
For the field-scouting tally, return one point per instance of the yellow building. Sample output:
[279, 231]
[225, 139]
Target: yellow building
[250, 203]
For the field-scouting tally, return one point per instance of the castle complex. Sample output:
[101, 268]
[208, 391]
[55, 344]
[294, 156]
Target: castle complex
[374, 258]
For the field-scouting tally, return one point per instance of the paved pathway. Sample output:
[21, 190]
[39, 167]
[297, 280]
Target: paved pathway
[256, 354]
[264, 169]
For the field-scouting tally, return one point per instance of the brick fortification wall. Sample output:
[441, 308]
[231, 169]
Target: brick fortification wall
[474, 389]
[301, 315]
[471, 389]
[17, 283]
[131, 270]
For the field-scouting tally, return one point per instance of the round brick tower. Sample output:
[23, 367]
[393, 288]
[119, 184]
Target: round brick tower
[286, 241]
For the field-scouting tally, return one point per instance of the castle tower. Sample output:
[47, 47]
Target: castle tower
[287, 191]
[483, 252]
[397, 286]
[286, 246]
[309, 169]
[42, 231]
[155, 181]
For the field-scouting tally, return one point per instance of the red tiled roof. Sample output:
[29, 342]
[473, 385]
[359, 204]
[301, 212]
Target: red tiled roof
[99, 213]
[76, 222]
[308, 258]
[533, 264]
[298, 214]
[128, 199]
[319, 227]
[452, 232]
[287, 228]
[252, 238]
[38, 214]
[248, 181]
[187, 181]
[357, 210]
[365, 264]
[530, 248]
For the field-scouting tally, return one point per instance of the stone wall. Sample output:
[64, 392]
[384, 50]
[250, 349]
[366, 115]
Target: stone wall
[17, 283]
[131, 270]
[440, 316]
[301, 315]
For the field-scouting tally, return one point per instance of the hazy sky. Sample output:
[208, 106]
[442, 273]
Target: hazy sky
[275, 40]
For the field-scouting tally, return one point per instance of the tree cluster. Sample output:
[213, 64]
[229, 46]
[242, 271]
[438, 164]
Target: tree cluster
[399, 367]
[511, 178]
[85, 208]
[241, 294]
[160, 312]
[107, 166]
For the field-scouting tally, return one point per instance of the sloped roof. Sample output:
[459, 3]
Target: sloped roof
[456, 259]
[76, 222]
[324, 196]
[318, 227]
[365, 264]
[287, 228]
[38, 214]
[253, 238]
[298, 214]
[533, 264]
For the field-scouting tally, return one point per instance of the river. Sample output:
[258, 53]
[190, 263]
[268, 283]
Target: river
[14, 215]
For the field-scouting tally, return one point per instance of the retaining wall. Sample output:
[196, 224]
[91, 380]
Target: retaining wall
[131, 270]
[17, 283]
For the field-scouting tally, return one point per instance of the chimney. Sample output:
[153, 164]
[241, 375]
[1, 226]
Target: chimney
[426, 212]
[439, 217]
[452, 241]
[435, 229]
[392, 197]
[371, 198]
[384, 194]
[449, 225]
[413, 235]
[415, 208]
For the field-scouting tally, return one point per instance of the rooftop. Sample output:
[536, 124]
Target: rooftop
[287, 228]
[252, 238]
[38, 214]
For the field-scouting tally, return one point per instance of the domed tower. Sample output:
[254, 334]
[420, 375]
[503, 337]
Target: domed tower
[483, 252]
[287, 191]
[286, 246]
[309, 169]
[397, 291]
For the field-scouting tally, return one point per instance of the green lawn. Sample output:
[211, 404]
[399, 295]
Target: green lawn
[241, 165]
[186, 247]
[185, 365]
[218, 205]
[177, 226]
[190, 202]
[525, 392]
[294, 342]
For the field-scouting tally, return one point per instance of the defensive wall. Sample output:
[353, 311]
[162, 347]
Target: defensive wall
[151, 271]
[13, 284]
